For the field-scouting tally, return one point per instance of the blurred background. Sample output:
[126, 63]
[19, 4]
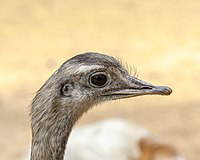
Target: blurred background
[160, 38]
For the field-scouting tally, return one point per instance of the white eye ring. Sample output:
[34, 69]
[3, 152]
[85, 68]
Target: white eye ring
[99, 79]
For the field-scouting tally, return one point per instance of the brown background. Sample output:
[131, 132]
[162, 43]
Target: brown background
[160, 38]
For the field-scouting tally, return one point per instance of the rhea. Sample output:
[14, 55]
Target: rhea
[80, 83]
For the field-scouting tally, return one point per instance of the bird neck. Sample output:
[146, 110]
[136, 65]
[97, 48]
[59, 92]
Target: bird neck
[51, 123]
[51, 127]
[49, 138]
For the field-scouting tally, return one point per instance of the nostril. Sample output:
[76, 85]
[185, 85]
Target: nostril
[146, 87]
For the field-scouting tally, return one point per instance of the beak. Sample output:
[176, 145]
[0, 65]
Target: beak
[135, 87]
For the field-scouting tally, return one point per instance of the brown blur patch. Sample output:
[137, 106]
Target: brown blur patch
[153, 148]
[160, 38]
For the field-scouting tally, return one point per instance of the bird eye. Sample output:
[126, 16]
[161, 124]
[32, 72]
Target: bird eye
[98, 80]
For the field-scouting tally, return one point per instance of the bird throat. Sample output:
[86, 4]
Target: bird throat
[51, 127]
[50, 131]
[49, 142]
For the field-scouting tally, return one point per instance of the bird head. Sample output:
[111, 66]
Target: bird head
[91, 78]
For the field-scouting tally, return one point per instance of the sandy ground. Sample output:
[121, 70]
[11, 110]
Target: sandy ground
[160, 38]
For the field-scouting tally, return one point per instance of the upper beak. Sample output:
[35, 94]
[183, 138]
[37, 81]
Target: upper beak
[136, 87]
